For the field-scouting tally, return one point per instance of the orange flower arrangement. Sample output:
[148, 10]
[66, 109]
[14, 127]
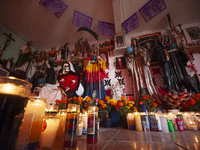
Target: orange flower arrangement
[194, 103]
[149, 102]
[124, 107]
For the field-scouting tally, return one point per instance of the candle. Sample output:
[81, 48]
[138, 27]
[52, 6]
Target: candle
[187, 120]
[153, 122]
[171, 116]
[131, 121]
[145, 121]
[70, 137]
[61, 129]
[158, 121]
[164, 124]
[170, 125]
[80, 125]
[48, 135]
[138, 122]
[30, 129]
[179, 122]
[92, 124]
[85, 119]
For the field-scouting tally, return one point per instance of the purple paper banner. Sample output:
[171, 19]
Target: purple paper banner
[131, 23]
[57, 7]
[81, 20]
[106, 29]
[152, 8]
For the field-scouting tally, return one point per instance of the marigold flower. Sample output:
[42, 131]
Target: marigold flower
[63, 101]
[85, 105]
[88, 98]
[101, 102]
[69, 99]
[111, 103]
[74, 98]
[155, 104]
[192, 101]
[120, 104]
[131, 105]
[147, 96]
[197, 94]
[116, 107]
[154, 100]
[196, 98]
[115, 101]
[141, 102]
[84, 110]
[107, 98]
[107, 116]
[127, 107]
[80, 98]
[125, 102]
[79, 101]
[57, 101]
[123, 98]
[144, 98]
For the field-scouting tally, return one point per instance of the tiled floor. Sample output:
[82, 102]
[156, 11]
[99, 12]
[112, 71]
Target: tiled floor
[118, 138]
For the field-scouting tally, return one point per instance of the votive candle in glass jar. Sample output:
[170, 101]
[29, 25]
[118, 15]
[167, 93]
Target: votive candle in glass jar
[92, 124]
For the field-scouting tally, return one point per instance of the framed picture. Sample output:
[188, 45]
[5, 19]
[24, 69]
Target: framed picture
[105, 56]
[194, 32]
[120, 63]
[149, 40]
[119, 41]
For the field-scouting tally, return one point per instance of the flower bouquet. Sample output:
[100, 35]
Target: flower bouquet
[194, 103]
[124, 107]
[149, 102]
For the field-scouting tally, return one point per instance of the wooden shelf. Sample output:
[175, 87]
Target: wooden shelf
[106, 49]
[101, 50]
[196, 49]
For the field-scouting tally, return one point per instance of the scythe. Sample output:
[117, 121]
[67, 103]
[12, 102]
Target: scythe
[96, 36]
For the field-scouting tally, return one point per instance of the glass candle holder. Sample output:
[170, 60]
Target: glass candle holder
[164, 124]
[171, 116]
[138, 122]
[179, 121]
[191, 118]
[131, 121]
[158, 115]
[153, 121]
[48, 135]
[61, 129]
[80, 125]
[92, 124]
[70, 137]
[85, 120]
[145, 121]
[51, 110]
[30, 130]
[14, 95]
[198, 119]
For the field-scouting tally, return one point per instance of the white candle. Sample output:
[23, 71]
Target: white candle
[49, 134]
[158, 121]
[164, 124]
[187, 121]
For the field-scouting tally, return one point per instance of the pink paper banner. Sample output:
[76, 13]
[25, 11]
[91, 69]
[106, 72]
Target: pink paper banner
[57, 7]
[152, 8]
[131, 23]
[81, 20]
[106, 29]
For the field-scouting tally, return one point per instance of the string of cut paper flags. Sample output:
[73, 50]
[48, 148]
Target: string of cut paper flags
[148, 11]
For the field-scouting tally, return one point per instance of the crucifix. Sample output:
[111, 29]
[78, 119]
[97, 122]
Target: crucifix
[8, 40]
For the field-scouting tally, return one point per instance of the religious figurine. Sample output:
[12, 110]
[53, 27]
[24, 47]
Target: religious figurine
[173, 62]
[50, 73]
[52, 53]
[138, 62]
[25, 56]
[86, 49]
[32, 69]
[78, 48]
[69, 80]
[94, 67]
[64, 51]
[58, 54]
[117, 90]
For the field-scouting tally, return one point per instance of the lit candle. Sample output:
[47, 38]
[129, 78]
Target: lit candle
[186, 117]
[164, 124]
[171, 116]
[145, 121]
[130, 121]
[80, 125]
[158, 115]
[85, 119]
[49, 134]
[138, 122]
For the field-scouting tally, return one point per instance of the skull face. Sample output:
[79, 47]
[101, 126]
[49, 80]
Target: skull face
[66, 68]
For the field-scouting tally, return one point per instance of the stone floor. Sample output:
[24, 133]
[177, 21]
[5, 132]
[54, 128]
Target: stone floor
[118, 138]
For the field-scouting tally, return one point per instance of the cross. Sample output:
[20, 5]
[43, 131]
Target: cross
[8, 40]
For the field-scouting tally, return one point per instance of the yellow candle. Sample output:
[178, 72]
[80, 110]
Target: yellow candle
[138, 122]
